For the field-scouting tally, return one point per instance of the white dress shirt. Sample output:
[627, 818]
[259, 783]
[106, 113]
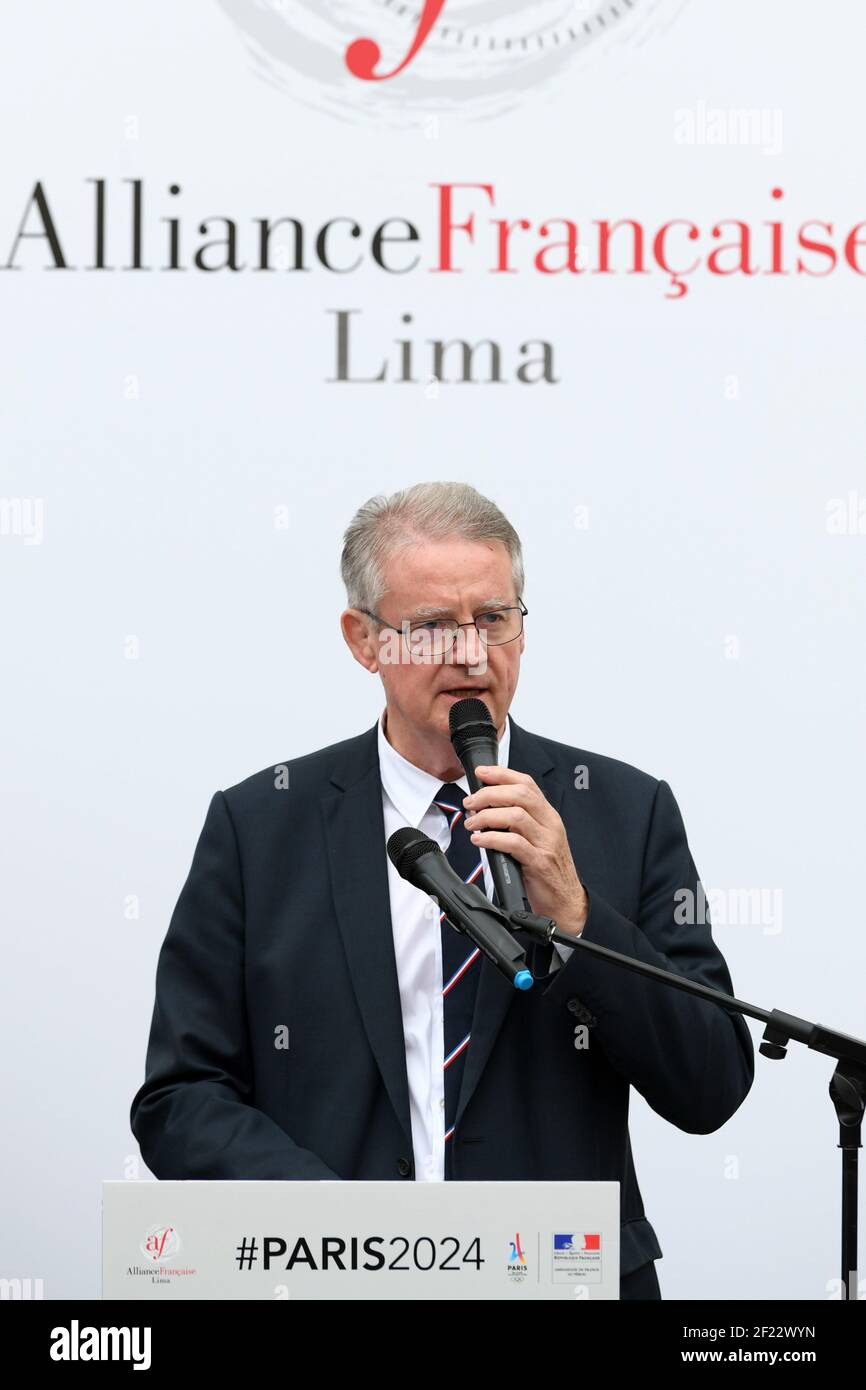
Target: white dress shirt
[407, 799]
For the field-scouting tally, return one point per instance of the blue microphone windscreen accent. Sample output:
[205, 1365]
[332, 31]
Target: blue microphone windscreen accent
[523, 980]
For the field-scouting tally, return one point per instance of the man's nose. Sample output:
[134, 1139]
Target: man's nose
[469, 649]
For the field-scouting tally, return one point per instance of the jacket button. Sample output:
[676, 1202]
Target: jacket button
[404, 1167]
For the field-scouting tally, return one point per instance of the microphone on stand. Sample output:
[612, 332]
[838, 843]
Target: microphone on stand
[421, 862]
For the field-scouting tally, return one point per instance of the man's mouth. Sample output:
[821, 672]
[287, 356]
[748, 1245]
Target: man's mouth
[465, 692]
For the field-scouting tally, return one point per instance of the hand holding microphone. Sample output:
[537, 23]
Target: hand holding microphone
[476, 743]
[523, 836]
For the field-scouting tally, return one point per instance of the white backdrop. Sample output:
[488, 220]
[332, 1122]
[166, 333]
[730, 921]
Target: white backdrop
[177, 471]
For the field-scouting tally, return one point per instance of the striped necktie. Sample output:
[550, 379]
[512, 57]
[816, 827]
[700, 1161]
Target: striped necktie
[461, 962]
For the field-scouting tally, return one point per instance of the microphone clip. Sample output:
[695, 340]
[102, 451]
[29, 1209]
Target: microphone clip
[542, 928]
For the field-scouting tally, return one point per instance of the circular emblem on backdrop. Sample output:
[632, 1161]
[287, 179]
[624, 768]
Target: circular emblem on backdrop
[407, 60]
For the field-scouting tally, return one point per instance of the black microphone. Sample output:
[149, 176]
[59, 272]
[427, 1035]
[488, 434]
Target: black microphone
[476, 743]
[419, 859]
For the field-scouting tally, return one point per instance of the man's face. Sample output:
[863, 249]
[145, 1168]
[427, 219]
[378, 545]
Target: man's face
[453, 578]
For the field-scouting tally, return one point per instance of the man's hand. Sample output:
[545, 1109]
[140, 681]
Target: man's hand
[511, 813]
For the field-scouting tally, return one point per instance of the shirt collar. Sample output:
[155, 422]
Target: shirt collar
[410, 788]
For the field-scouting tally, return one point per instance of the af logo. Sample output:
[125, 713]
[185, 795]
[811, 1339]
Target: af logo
[407, 63]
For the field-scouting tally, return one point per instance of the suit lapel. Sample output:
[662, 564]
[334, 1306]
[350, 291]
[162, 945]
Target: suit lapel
[495, 995]
[355, 836]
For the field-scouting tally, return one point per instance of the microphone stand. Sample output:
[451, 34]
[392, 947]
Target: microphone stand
[847, 1084]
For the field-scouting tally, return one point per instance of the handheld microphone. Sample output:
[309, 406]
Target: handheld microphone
[420, 860]
[476, 743]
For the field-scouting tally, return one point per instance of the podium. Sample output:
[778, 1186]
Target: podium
[360, 1240]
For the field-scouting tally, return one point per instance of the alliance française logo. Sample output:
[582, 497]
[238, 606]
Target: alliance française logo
[384, 58]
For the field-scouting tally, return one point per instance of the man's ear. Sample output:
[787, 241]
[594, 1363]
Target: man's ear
[361, 638]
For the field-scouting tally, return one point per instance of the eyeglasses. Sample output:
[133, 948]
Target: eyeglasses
[436, 636]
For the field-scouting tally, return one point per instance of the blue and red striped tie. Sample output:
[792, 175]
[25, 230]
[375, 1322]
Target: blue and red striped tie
[461, 961]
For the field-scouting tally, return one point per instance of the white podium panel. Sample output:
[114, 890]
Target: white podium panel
[360, 1240]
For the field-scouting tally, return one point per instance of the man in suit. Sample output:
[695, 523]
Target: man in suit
[315, 1016]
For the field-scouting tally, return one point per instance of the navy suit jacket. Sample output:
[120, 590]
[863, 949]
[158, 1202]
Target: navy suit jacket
[284, 923]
